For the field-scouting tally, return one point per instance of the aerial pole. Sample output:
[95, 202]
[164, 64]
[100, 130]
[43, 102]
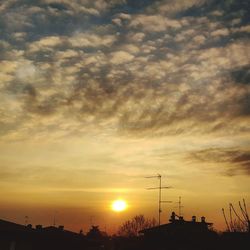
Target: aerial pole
[54, 219]
[26, 220]
[180, 206]
[160, 201]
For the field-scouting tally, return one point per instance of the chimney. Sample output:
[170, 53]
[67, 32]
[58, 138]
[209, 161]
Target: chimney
[203, 219]
[172, 218]
[61, 227]
[193, 218]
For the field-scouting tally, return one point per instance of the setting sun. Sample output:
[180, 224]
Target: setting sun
[119, 205]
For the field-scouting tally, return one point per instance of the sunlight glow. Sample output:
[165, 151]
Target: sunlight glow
[119, 205]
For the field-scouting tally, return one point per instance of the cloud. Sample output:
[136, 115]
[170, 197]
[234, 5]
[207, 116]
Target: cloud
[159, 72]
[6, 4]
[120, 89]
[153, 23]
[245, 28]
[217, 13]
[27, 71]
[16, 21]
[95, 8]
[120, 57]
[136, 37]
[124, 16]
[199, 39]
[235, 161]
[131, 48]
[77, 40]
[121, 19]
[117, 21]
[124, 87]
[91, 40]
[45, 43]
[19, 36]
[172, 7]
[220, 32]
[77, 7]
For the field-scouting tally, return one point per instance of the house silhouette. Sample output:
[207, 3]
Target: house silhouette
[14, 236]
[180, 234]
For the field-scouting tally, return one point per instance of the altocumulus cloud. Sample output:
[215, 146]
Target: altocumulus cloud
[160, 68]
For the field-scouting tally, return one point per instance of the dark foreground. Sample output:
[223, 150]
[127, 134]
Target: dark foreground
[18, 237]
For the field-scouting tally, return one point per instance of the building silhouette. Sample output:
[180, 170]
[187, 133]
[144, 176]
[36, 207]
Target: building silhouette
[180, 234]
[20, 237]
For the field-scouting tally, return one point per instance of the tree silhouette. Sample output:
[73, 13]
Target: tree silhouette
[131, 228]
[237, 222]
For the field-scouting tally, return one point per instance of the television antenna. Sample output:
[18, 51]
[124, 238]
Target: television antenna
[179, 206]
[160, 201]
[26, 220]
[54, 218]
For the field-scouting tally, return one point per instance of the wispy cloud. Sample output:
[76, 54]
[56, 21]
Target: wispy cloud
[236, 160]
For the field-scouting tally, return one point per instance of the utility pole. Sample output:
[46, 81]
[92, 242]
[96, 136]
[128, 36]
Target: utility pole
[160, 201]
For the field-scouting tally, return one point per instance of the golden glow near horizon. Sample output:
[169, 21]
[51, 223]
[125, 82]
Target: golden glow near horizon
[90, 105]
[119, 205]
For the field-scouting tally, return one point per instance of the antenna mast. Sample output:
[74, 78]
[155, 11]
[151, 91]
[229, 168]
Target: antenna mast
[180, 206]
[54, 219]
[26, 220]
[160, 201]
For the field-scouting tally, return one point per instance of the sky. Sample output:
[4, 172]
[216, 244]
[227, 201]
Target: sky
[96, 95]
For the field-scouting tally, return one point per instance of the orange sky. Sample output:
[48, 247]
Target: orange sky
[80, 182]
[96, 95]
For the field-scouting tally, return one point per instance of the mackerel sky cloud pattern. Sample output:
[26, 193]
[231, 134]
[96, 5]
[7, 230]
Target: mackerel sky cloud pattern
[161, 71]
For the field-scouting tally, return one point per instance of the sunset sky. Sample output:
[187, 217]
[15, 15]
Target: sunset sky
[96, 95]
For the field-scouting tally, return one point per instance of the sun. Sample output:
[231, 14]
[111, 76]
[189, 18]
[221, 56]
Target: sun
[119, 205]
